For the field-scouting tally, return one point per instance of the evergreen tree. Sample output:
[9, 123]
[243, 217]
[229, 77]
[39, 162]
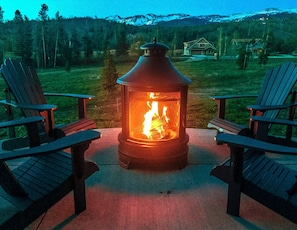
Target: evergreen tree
[22, 38]
[75, 45]
[21, 42]
[27, 42]
[109, 72]
[98, 36]
[18, 33]
[67, 54]
[37, 44]
[270, 41]
[88, 46]
[263, 58]
[43, 18]
[1, 14]
[121, 43]
[1, 35]
[135, 47]
[173, 44]
[242, 60]
[58, 25]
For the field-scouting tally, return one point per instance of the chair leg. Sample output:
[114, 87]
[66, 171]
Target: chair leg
[78, 168]
[79, 196]
[234, 188]
[233, 202]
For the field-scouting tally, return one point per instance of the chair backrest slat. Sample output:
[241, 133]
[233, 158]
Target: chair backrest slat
[23, 83]
[277, 85]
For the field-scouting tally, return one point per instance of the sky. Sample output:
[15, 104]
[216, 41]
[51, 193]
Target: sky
[125, 8]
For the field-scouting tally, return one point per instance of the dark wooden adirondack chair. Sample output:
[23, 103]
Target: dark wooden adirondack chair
[250, 171]
[25, 88]
[277, 85]
[45, 176]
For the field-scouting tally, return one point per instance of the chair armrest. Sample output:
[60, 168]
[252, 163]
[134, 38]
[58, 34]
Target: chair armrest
[263, 124]
[225, 97]
[22, 121]
[81, 96]
[31, 125]
[82, 137]
[248, 142]
[221, 102]
[273, 120]
[38, 107]
[264, 108]
[81, 104]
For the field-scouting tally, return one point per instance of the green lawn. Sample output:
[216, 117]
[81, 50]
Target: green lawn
[208, 77]
[221, 78]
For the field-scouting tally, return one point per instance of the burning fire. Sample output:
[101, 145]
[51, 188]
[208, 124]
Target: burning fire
[154, 124]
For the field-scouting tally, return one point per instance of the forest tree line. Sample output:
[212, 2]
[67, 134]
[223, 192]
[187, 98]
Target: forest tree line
[51, 42]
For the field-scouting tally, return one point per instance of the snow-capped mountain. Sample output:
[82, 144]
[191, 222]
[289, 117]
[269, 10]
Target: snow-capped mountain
[153, 19]
[148, 19]
[267, 12]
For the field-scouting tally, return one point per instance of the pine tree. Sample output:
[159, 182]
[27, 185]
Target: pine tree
[27, 42]
[75, 44]
[58, 25]
[1, 35]
[88, 46]
[44, 18]
[67, 55]
[18, 33]
[1, 15]
[242, 60]
[109, 72]
[121, 43]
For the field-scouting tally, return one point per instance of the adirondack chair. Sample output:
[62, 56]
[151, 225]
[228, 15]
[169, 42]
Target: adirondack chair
[45, 176]
[24, 86]
[250, 171]
[277, 85]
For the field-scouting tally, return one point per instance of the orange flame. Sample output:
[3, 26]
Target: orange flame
[153, 125]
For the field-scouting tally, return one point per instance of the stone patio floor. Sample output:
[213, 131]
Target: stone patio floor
[166, 200]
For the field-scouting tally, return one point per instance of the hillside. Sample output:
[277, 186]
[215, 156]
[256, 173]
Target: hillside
[82, 40]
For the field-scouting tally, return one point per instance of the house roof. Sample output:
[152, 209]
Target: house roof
[193, 43]
[246, 40]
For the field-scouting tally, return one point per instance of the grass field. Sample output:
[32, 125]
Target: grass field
[208, 78]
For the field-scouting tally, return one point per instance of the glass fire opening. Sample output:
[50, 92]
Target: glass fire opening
[154, 116]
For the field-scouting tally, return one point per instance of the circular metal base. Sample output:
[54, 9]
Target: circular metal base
[163, 155]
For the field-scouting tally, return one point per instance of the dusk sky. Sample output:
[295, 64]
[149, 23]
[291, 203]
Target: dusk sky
[125, 8]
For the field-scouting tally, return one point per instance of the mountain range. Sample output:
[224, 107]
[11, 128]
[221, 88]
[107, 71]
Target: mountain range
[186, 19]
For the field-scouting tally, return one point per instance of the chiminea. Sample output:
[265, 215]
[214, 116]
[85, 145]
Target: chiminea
[154, 105]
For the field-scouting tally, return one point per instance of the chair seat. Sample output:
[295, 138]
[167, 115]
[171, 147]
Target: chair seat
[41, 175]
[226, 126]
[81, 124]
[259, 176]
[46, 174]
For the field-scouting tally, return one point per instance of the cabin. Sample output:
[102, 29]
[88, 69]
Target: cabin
[253, 46]
[199, 47]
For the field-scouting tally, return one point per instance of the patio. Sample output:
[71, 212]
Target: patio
[181, 199]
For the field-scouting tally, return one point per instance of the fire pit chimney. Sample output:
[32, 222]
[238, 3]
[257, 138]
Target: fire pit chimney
[154, 49]
[154, 103]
